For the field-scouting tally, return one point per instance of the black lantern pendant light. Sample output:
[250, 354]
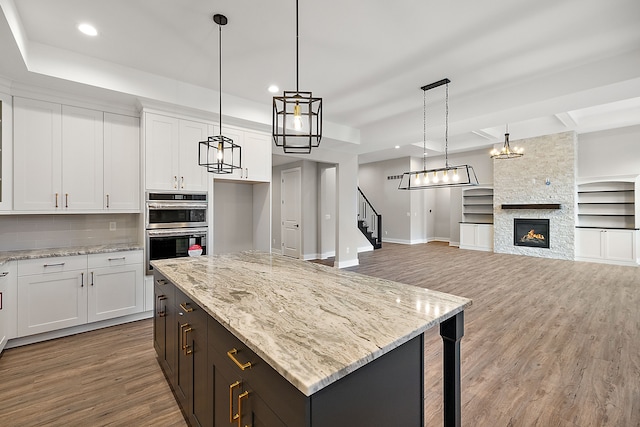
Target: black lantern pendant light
[297, 116]
[218, 153]
[448, 176]
[507, 152]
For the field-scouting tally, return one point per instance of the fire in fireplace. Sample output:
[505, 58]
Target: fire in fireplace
[531, 232]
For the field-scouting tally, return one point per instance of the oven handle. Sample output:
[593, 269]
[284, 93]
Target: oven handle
[196, 232]
[176, 205]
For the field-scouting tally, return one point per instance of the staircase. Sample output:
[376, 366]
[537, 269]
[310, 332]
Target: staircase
[369, 221]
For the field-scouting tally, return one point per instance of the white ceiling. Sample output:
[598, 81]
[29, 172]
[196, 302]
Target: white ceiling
[542, 67]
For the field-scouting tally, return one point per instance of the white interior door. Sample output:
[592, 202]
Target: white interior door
[291, 211]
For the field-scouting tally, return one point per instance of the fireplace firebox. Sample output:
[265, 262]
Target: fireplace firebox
[531, 232]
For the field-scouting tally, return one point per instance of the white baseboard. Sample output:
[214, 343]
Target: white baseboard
[406, 242]
[368, 248]
[350, 263]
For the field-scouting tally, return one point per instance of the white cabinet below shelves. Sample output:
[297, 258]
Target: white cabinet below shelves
[476, 237]
[609, 246]
[61, 292]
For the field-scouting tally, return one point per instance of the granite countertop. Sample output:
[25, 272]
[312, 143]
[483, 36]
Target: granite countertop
[6, 256]
[312, 323]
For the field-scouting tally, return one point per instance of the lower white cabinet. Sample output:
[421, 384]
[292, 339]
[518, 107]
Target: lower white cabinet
[7, 303]
[116, 285]
[476, 236]
[611, 246]
[61, 292]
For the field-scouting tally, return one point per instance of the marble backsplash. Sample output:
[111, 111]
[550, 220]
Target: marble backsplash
[19, 232]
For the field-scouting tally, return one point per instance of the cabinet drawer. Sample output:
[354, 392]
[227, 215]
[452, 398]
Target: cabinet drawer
[115, 258]
[278, 393]
[28, 267]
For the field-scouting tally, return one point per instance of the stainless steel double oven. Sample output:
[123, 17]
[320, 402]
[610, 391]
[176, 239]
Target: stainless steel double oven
[174, 222]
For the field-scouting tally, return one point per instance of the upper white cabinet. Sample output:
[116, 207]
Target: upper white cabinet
[37, 150]
[82, 159]
[255, 155]
[171, 153]
[121, 162]
[62, 163]
[6, 153]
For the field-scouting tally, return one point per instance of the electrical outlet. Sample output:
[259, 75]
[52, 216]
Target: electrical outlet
[112, 226]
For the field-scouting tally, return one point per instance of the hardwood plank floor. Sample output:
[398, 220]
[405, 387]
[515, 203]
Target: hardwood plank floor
[547, 343]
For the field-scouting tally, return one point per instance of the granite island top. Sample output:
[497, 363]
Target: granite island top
[6, 256]
[312, 323]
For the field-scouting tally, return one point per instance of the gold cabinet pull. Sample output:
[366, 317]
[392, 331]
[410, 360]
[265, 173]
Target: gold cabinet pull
[185, 329]
[184, 306]
[56, 200]
[161, 310]
[66, 200]
[242, 366]
[161, 282]
[244, 395]
[232, 416]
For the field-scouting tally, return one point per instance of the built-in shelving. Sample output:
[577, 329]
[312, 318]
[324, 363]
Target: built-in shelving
[608, 204]
[477, 205]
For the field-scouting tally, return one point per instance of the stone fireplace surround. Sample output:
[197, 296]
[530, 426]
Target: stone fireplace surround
[545, 175]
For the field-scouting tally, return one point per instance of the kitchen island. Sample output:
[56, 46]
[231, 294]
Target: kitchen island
[260, 339]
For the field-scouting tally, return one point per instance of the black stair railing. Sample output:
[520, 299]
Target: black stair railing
[369, 221]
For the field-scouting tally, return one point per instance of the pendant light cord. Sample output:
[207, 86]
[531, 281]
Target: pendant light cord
[424, 130]
[220, 73]
[297, 50]
[446, 127]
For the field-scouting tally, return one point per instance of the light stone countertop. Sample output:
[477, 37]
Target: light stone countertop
[312, 323]
[6, 256]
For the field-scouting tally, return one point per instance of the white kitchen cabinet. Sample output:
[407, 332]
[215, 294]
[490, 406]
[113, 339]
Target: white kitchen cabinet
[171, 153]
[476, 237]
[121, 163]
[116, 285]
[58, 157]
[255, 155]
[52, 294]
[6, 153]
[60, 292]
[611, 246]
[37, 154]
[8, 282]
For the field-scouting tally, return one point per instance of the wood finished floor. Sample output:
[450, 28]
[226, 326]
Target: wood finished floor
[547, 343]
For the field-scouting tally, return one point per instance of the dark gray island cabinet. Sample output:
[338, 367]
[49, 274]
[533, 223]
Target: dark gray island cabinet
[254, 339]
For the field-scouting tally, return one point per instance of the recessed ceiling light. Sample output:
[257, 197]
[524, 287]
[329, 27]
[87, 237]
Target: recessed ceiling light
[274, 89]
[397, 146]
[88, 29]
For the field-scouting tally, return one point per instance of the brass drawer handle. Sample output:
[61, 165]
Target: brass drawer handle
[184, 306]
[161, 310]
[186, 328]
[240, 397]
[161, 282]
[242, 366]
[232, 416]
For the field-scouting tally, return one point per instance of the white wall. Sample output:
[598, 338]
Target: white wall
[609, 153]
[233, 217]
[327, 211]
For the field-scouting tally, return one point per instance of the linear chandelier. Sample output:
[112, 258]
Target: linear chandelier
[219, 154]
[448, 176]
[507, 152]
[297, 116]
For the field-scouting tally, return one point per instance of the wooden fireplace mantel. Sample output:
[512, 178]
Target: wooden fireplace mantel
[533, 206]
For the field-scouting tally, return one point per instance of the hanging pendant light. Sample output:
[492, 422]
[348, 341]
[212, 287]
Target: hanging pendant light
[448, 176]
[297, 116]
[219, 154]
[507, 152]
